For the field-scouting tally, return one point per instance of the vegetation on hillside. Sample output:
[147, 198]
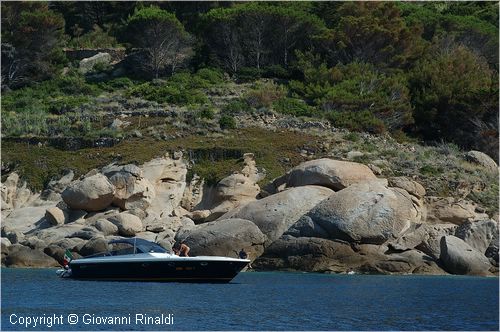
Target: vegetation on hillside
[419, 71]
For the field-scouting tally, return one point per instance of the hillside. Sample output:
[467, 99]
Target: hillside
[127, 129]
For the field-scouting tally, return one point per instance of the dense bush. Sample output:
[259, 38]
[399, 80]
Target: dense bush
[264, 94]
[275, 71]
[356, 92]
[293, 106]
[248, 74]
[97, 38]
[116, 83]
[227, 122]
[168, 93]
[181, 89]
[207, 113]
[212, 75]
[236, 106]
[357, 121]
[28, 111]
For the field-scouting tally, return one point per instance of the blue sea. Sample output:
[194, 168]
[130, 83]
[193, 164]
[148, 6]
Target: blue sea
[35, 299]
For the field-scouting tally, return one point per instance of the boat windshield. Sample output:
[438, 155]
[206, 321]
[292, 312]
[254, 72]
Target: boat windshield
[141, 245]
[132, 246]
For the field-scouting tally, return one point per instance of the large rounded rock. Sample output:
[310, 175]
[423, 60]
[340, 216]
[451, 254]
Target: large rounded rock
[8, 191]
[128, 224]
[365, 212]
[232, 192]
[306, 227]
[424, 237]
[13, 196]
[412, 187]
[276, 213]
[450, 209]
[93, 193]
[55, 216]
[21, 256]
[322, 255]
[88, 64]
[33, 242]
[334, 174]
[225, 238]
[57, 233]
[460, 258]
[482, 159]
[55, 252]
[106, 227]
[94, 246]
[411, 261]
[73, 244]
[25, 219]
[5, 242]
[132, 190]
[55, 187]
[478, 234]
[168, 177]
[308, 254]
[492, 250]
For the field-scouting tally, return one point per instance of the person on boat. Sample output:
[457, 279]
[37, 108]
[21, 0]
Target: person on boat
[243, 254]
[181, 250]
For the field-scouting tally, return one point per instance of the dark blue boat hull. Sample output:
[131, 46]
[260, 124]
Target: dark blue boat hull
[178, 271]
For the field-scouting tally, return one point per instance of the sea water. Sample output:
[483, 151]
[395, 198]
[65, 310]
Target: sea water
[35, 299]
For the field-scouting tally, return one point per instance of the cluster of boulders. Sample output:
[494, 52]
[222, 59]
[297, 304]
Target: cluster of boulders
[323, 215]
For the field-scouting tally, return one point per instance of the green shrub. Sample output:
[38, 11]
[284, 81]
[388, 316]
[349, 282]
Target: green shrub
[236, 106]
[168, 93]
[62, 104]
[276, 71]
[265, 94]
[74, 85]
[97, 38]
[357, 88]
[352, 136]
[26, 111]
[248, 74]
[429, 170]
[102, 67]
[212, 75]
[117, 83]
[293, 106]
[207, 113]
[182, 88]
[227, 122]
[32, 122]
[357, 121]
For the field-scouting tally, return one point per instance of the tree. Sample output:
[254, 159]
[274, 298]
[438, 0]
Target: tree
[375, 32]
[255, 21]
[224, 38]
[455, 94]
[294, 29]
[162, 38]
[473, 24]
[32, 38]
[260, 34]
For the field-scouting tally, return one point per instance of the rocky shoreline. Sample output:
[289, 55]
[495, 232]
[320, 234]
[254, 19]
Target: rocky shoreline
[323, 215]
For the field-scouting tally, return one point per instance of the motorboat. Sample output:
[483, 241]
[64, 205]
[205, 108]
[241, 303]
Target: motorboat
[141, 260]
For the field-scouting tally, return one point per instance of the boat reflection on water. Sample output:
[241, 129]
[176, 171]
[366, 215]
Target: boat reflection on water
[142, 260]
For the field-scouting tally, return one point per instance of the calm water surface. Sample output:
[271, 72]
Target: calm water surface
[254, 301]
